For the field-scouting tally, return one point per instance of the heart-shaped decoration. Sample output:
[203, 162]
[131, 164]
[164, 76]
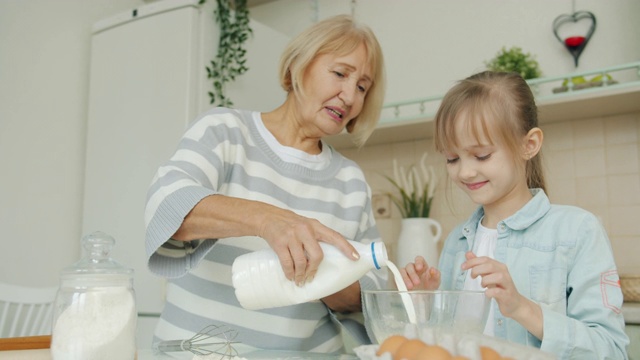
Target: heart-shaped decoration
[575, 44]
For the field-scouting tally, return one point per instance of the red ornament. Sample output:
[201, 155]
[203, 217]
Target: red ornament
[575, 44]
[574, 41]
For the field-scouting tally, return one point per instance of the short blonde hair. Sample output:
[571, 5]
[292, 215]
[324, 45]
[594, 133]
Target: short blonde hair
[338, 35]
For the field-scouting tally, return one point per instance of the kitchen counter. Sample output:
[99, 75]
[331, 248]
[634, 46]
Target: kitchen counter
[631, 313]
[45, 354]
[147, 354]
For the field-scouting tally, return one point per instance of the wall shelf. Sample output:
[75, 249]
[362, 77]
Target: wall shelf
[606, 100]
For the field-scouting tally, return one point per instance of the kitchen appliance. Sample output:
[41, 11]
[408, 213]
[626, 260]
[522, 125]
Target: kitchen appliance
[147, 82]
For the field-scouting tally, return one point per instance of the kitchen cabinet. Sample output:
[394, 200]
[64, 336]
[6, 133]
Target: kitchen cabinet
[147, 354]
[620, 98]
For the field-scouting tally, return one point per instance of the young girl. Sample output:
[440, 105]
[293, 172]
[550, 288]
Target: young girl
[548, 268]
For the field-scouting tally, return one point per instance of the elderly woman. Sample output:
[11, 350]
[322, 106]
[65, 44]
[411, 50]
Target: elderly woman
[244, 180]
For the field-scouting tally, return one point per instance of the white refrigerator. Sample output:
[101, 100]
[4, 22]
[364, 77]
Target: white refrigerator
[147, 82]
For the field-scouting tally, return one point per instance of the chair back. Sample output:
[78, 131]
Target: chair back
[26, 311]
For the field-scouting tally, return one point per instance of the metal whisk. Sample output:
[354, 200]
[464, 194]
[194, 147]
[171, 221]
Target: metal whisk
[212, 339]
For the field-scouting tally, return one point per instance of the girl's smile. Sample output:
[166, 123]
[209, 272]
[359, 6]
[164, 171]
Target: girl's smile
[475, 186]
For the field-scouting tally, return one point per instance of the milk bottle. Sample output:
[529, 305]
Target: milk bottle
[260, 283]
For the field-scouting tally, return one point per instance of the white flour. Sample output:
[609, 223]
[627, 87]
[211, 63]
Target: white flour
[99, 325]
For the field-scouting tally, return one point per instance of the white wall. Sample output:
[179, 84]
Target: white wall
[429, 44]
[44, 67]
[44, 83]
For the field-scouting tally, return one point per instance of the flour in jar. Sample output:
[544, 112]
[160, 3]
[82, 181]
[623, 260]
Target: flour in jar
[99, 324]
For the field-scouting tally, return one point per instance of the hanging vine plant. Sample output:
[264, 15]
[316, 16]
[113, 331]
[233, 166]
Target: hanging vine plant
[232, 17]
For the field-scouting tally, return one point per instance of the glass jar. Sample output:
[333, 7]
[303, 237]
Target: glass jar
[95, 314]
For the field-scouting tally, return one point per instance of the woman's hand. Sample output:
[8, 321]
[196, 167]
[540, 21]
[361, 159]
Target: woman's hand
[419, 276]
[500, 286]
[295, 239]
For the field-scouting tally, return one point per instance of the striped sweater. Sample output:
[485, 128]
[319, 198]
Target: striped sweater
[230, 152]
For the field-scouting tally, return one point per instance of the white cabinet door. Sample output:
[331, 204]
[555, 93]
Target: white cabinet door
[143, 85]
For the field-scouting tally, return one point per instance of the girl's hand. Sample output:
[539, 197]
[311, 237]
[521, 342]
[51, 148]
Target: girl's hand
[419, 276]
[499, 284]
[497, 280]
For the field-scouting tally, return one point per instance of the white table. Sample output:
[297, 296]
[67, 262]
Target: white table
[146, 354]
[45, 354]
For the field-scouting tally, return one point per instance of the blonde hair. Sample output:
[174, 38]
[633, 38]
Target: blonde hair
[499, 106]
[338, 35]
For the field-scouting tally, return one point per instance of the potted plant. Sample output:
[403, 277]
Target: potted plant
[514, 60]
[232, 17]
[419, 234]
[415, 189]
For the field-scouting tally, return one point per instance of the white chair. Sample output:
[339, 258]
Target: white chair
[26, 311]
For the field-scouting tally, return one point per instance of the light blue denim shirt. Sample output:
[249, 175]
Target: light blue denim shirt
[560, 257]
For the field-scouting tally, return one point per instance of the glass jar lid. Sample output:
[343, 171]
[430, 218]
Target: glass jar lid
[97, 260]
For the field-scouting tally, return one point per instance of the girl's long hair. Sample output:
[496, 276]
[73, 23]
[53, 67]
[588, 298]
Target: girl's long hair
[500, 107]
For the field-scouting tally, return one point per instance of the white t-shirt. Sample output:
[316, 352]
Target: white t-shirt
[293, 155]
[484, 244]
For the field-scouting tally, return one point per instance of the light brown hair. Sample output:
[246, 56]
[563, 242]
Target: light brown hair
[339, 35]
[499, 106]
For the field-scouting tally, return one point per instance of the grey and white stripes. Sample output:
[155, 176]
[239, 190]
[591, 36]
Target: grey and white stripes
[223, 152]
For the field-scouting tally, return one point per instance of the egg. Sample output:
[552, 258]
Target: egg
[434, 352]
[391, 344]
[409, 349]
[488, 353]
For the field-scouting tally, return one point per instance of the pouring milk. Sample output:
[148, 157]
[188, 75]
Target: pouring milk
[260, 283]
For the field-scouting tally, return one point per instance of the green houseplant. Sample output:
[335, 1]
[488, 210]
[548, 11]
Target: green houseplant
[415, 188]
[232, 17]
[419, 234]
[515, 60]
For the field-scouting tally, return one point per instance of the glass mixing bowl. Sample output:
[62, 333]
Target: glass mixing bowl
[424, 314]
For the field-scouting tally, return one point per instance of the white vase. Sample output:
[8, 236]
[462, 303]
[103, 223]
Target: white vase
[418, 236]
